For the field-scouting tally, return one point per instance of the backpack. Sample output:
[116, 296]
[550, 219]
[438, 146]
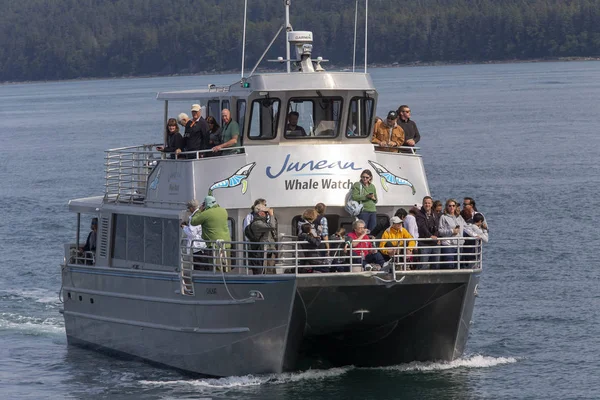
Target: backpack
[353, 207]
[249, 233]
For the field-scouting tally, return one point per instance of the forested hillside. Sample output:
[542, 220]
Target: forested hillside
[64, 39]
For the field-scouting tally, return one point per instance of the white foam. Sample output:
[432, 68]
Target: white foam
[31, 325]
[252, 380]
[38, 295]
[475, 361]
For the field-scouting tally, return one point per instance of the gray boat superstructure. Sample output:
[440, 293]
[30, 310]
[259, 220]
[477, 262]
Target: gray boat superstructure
[140, 294]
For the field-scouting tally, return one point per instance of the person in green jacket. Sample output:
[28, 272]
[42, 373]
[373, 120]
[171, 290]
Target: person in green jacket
[366, 194]
[213, 220]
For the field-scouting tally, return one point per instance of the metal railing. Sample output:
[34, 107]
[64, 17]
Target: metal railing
[293, 257]
[127, 169]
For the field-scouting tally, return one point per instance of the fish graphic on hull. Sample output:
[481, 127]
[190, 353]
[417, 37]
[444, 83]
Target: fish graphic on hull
[154, 183]
[387, 177]
[238, 178]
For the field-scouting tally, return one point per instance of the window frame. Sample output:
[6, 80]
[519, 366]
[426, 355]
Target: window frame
[312, 99]
[277, 119]
[370, 118]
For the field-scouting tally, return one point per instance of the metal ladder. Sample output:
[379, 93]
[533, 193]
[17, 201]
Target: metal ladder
[186, 270]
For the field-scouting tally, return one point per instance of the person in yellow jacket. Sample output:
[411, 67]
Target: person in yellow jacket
[396, 231]
[388, 135]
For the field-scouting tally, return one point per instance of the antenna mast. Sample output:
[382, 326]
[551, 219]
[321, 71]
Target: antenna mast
[244, 36]
[366, 22]
[288, 28]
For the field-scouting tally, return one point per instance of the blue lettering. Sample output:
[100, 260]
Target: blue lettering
[309, 165]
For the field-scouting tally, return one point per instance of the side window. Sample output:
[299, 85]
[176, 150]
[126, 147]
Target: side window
[225, 105]
[241, 115]
[263, 119]
[360, 116]
[213, 109]
[318, 117]
[146, 239]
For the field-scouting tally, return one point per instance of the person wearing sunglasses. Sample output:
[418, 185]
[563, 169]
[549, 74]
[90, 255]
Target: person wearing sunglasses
[411, 132]
[365, 193]
[388, 136]
[450, 230]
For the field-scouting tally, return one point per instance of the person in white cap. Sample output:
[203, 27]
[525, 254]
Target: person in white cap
[196, 132]
[394, 234]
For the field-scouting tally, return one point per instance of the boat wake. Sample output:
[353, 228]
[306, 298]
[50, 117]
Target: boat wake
[474, 361]
[37, 295]
[31, 325]
[246, 381]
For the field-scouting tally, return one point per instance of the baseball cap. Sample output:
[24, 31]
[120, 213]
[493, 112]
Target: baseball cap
[392, 115]
[396, 220]
[196, 107]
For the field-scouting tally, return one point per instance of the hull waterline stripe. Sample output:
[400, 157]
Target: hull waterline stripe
[185, 329]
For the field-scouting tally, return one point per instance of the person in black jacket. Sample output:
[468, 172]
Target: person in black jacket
[428, 221]
[196, 132]
[309, 248]
[174, 142]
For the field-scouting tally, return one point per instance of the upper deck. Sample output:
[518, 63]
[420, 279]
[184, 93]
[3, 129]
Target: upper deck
[296, 176]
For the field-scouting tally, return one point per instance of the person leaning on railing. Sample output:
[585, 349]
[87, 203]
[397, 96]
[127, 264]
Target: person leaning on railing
[388, 135]
[361, 246]
[175, 141]
[451, 232]
[393, 245]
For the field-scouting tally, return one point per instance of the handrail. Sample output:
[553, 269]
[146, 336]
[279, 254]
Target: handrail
[291, 257]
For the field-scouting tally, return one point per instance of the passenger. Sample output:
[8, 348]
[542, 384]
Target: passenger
[388, 136]
[250, 216]
[308, 217]
[365, 193]
[309, 248]
[337, 257]
[214, 130]
[438, 207]
[230, 133]
[473, 231]
[469, 203]
[196, 132]
[476, 228]
[292, 128]
[450, 226]
[263, 228]
[183, 119]
[394, 233]
[383, 224]
[411, 132]
[427, 222]
[213, 220]
[365, 250]
[174, 139]
[195, 244]
[410, 222]
[90, 242]
[321, 224]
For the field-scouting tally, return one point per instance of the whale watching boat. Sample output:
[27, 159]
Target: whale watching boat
[140, 292]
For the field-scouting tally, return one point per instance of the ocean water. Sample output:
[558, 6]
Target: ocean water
[522, 139]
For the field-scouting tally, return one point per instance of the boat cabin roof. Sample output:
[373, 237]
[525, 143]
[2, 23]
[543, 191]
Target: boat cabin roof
[276, 82]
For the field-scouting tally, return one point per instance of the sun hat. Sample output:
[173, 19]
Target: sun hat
[209, 201]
